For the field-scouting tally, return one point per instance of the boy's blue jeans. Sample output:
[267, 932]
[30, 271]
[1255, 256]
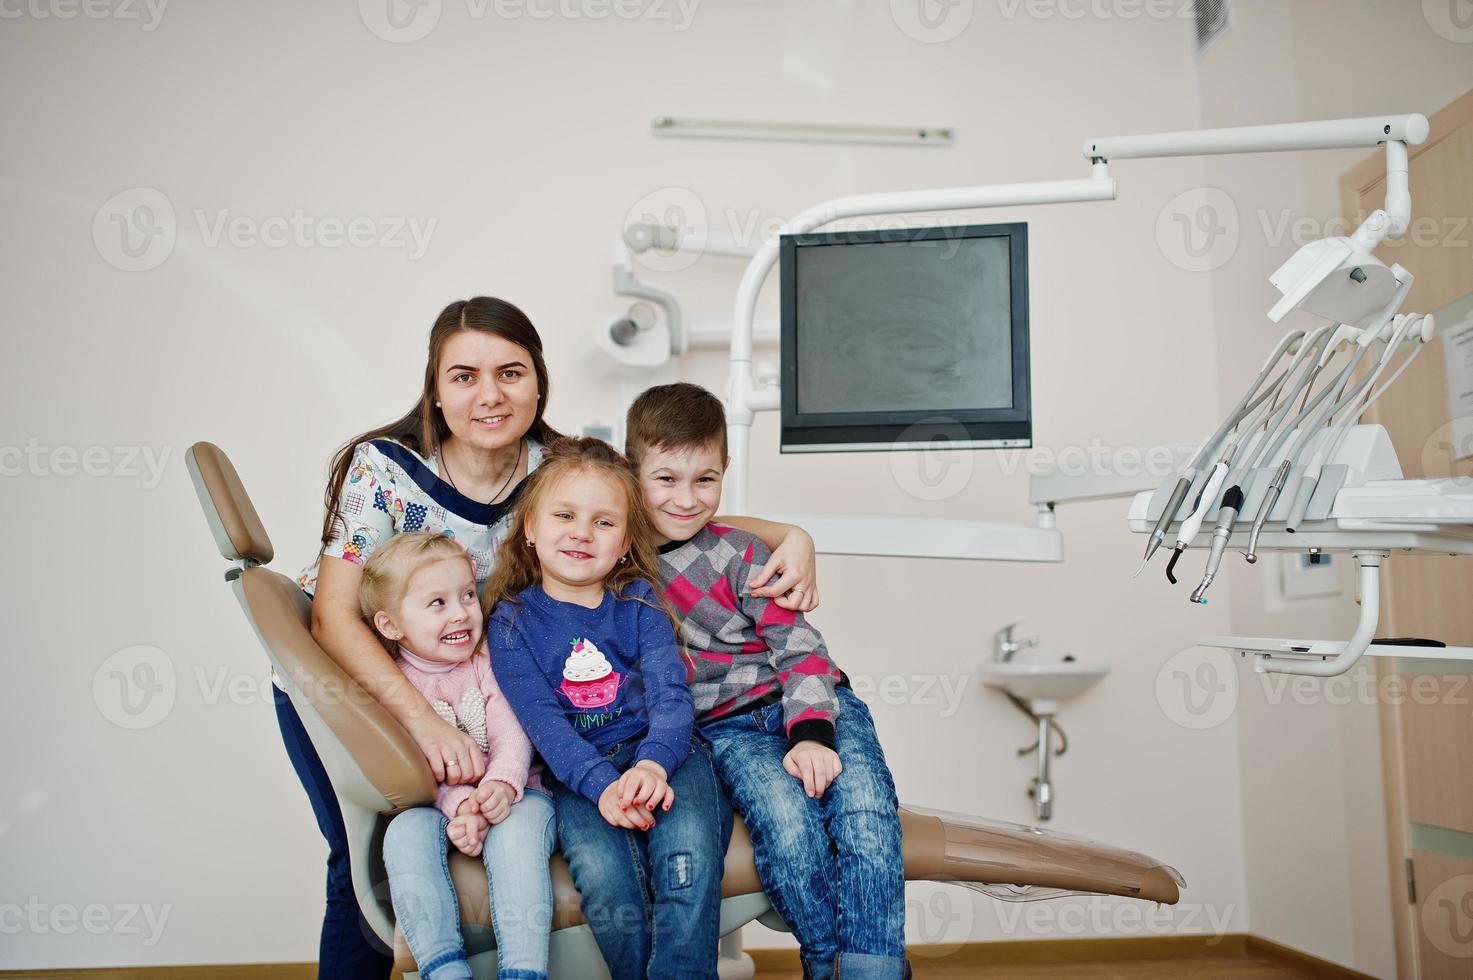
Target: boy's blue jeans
[652, 898]
[515, 853]
[831, 867]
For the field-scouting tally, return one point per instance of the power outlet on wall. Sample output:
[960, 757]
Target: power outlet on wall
[1309, 576]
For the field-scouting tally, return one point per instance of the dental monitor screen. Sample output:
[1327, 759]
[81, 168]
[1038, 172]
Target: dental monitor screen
[905, 338]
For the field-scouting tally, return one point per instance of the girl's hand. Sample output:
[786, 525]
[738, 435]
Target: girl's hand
[796, 588]
[644, 785]
[815, 764]
[454, 756]
[617, 814]
[467, 831]
[495, 800]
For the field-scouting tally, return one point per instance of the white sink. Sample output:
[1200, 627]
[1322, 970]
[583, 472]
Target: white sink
[1044, 683]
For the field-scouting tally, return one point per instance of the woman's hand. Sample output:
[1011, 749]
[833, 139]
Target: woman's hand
[794, 564]
[454, 756]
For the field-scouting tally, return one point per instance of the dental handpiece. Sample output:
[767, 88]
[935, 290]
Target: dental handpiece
[1193, 523]
[1280, 478]
[1231, 502]
[1255, 394]
[1173, 504]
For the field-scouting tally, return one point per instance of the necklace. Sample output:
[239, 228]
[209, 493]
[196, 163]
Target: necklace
[445, 465]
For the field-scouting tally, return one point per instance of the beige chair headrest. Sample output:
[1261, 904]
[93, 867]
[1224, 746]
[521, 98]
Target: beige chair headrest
[232, 517]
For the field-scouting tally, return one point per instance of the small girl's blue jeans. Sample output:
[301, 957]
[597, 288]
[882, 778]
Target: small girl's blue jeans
[515, 853]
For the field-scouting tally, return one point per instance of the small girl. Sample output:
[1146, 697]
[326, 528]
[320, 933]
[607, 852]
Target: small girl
[586, 653]
[418, 593]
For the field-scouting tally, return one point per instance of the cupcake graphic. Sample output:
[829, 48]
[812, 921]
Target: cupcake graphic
[588, 680]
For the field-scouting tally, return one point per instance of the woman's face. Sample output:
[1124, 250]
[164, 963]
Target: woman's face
[487, 389]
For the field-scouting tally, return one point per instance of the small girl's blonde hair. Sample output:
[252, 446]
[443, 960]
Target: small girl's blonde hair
[388, 570]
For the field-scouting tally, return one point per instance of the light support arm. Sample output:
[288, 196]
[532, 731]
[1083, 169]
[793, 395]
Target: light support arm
[1330, 134]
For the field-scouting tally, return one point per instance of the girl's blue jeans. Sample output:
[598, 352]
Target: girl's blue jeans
[515, 853]
[831, 867]
[652, 898]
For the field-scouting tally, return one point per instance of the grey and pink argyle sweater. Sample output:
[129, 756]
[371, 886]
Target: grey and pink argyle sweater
[747, 652]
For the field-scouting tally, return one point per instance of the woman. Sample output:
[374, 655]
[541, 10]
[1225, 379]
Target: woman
[453, 464]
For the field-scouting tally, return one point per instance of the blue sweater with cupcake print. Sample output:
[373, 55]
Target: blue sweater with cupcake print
[584, 681]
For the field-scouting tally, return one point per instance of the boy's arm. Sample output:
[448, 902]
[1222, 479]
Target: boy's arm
[792, 554]
[510, 750]
[572, 760]
[796, 652]
[666, 692]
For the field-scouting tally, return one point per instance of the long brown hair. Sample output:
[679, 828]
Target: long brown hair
[422, 428]
[517, 566]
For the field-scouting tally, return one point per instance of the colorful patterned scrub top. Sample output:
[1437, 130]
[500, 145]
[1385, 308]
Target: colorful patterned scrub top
[390, 489]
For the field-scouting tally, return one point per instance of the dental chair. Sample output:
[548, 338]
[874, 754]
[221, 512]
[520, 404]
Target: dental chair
[377, 770]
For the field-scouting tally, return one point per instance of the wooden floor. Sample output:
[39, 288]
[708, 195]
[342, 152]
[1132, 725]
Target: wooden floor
[1227, 968]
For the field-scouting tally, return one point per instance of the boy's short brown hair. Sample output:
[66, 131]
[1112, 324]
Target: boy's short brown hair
[674, 417]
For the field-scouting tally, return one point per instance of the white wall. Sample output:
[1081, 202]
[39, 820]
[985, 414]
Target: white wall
[1312, 794]
[525, 142]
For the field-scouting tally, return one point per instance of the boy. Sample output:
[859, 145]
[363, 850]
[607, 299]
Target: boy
[793, 744]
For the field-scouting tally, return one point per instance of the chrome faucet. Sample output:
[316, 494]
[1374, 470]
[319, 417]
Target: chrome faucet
[1004, 646]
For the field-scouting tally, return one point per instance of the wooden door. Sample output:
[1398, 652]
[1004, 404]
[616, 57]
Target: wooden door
[1427, 721]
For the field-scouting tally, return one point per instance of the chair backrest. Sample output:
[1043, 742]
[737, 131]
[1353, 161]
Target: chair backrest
[368, 755]
[231, 515]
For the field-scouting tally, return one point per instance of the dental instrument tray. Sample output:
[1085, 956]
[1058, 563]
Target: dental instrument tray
[1360, 502]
